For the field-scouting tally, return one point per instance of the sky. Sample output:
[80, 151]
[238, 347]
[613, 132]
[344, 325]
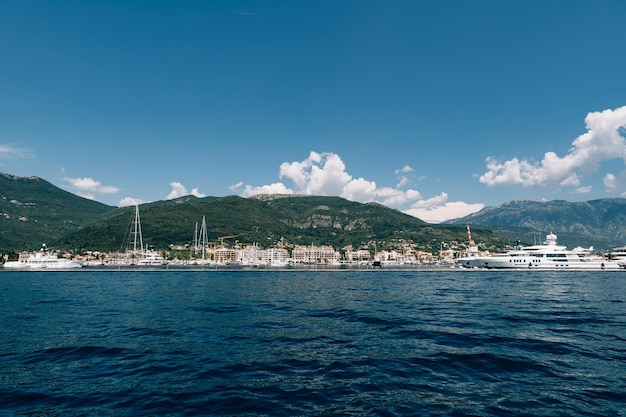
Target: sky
[435, 108]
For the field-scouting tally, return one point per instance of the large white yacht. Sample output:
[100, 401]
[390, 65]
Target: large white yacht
[548, 256]
[41, 260]
[619, 256]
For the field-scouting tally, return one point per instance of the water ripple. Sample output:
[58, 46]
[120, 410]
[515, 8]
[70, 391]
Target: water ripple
[312, 343]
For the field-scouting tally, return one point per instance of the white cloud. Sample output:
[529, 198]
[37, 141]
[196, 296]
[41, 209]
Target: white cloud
[610, 182]
[88, 187]
[236, 187]
[11, 152]
[325, 174]
[394, 197]
[179, 190]
[572, 181]
[613, 183]
[359, 189]
[404, 170]
[403, 179]
[129, 201]
[437, 209]
[275, 188]
[603, 141]
[431, 203]
[319, 174]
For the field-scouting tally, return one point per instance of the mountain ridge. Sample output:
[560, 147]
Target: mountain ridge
[33, 212]
[601, 219]
[73, 223]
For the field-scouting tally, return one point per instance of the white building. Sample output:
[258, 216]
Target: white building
[315, 254]
[358, 256]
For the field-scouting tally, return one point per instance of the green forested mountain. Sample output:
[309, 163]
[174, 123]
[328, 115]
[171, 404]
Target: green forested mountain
[36, 212]
[267, 220]
[33, 212]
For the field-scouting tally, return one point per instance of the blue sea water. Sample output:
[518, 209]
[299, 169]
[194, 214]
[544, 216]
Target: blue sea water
[311, 343]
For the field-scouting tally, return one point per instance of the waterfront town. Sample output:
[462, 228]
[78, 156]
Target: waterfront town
[254, 256]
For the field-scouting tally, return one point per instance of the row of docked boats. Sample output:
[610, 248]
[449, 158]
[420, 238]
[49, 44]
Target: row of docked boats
[547, 256]
[135, 255]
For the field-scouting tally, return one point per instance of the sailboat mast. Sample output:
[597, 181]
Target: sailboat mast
[203, 231]
[137, 236]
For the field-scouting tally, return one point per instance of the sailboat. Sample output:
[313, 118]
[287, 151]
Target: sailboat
[201, 243]
[138, 254]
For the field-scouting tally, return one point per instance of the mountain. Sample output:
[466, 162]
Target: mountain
[601, 223]
[268, 220]
[34, 212]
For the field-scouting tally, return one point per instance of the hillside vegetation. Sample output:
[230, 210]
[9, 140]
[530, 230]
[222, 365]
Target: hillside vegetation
[33, 212]
[36, 212]
[270, 220]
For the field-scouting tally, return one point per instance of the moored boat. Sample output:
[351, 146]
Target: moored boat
[548, 256]
[136, 254]
[41, 260]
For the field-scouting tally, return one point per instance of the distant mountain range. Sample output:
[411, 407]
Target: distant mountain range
[33, 212]
[596, 222]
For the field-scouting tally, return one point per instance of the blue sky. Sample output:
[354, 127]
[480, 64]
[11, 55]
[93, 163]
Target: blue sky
[434, 108]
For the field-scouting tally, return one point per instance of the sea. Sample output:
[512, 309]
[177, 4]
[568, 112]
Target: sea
[379, 342]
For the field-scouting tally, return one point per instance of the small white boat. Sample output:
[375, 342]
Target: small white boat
[41, 260]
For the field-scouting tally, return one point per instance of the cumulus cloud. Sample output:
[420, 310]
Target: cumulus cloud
[275, 188]
[610, 182]
[325, 174]
[319, 174]
[179, 190]
[614, 183]
[88, 187]
[129, 201]
[604, 140]
[437, 209]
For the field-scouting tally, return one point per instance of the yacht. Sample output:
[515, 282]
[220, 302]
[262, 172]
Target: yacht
[619, 254]
[41, 260]
[547, 256]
